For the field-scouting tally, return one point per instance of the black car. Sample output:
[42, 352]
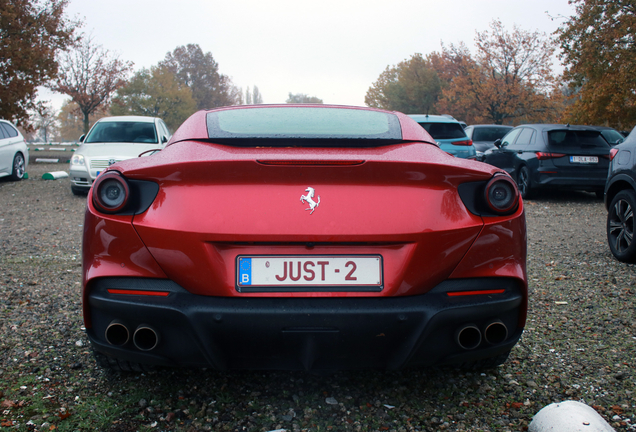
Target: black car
[541, 156]
[485, 135]
[620, 200]
[611, 135]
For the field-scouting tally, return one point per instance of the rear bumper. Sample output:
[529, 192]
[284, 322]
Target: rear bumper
[303, 333]
[570, 182]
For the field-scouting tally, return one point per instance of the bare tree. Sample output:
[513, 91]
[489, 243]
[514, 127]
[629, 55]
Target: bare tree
[44, 120]
[90, 75]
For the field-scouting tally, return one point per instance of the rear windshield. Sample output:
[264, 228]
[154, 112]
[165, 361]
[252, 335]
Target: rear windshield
[127, 132]
[302, 123]
[489, 133]
[576, 139]
[444, 130]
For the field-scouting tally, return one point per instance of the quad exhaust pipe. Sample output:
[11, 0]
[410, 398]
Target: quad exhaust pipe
[117, 333]
[469, 336]
[495, 332]
[145, 338]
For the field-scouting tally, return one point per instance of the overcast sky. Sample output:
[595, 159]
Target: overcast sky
[331, 49]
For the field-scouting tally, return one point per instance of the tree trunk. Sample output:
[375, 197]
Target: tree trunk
[86, 124]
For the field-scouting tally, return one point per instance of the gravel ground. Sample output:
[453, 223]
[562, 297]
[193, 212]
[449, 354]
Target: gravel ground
[579, 343]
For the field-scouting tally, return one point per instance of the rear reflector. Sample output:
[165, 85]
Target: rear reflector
[544, 155]
[463, 143]
[310, 162]
[139, 292]
[471, 293]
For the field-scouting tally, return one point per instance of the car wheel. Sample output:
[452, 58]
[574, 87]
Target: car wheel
[620, 226]
[523, 182]
[19, 167]
[78, 191]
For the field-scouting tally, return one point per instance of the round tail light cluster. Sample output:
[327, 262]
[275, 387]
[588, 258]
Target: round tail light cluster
[502, 195]
[110, 192]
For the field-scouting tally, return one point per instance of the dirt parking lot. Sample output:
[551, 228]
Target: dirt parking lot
[579, 343]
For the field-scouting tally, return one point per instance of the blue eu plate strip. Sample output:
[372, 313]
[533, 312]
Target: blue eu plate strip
[245, 271]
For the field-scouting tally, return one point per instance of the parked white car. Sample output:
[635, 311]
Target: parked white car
[113, 139]
[14, 153]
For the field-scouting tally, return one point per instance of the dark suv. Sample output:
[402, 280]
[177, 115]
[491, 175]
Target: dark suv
[620, 200]
[550, 156]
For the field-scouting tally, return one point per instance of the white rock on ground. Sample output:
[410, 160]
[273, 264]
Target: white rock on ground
[569, 416]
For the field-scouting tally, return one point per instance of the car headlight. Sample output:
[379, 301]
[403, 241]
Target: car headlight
[77, 160]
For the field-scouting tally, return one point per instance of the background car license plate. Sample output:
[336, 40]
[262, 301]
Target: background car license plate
[310, 271]
[584, 159]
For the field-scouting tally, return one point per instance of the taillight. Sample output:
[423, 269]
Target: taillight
[110, 192]
[613, 152]
[501, 194]
[463, 143]
[544, 155]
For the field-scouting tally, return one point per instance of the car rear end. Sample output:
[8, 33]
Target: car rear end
[574, 157]
[304, 255]
[448, 133]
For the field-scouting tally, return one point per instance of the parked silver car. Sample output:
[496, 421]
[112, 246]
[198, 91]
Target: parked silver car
[113, 139]
[14, 153]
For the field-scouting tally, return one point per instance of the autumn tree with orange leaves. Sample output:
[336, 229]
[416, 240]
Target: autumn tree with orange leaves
[90, 75]
[599, 51]
[32, 33]
[508, 81]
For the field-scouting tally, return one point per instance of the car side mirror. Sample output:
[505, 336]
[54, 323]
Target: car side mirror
[81, 139]
[164, 139]
[497, 143]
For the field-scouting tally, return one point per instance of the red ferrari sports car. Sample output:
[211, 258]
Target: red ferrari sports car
[303, 237]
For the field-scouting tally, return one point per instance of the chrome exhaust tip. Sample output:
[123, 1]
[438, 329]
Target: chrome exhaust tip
[468, 337]
[495, 332]
[117, 333]
[145, 338]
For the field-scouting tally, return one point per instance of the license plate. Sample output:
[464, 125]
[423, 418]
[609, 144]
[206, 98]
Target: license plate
[328, 272]
[584, 159]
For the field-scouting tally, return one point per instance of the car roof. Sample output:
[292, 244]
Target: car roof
[547, 127]
[492, 125]
[432, 118]
[139, 119]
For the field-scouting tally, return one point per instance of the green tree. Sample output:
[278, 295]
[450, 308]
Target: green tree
[32, 33]
[157, 93]
[90, 75]
[257, 98]
[413, 86]
[200, 73]
[301, 98]
[599, 51]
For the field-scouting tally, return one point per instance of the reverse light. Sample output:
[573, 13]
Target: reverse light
[463, 143]
[544, 155]
[110, 192]
[613, 152]
[501, 194]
